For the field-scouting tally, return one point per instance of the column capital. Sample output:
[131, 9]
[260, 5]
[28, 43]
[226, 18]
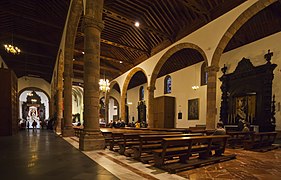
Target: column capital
[212, 68]
[89, 21]
[151, 88]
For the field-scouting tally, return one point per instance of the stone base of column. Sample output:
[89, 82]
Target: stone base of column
[91, 140]
[68, 131]
[58, 126]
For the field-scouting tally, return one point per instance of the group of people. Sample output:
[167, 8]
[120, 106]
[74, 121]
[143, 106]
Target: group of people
[121, 123]
[116, 124]
[242, 126]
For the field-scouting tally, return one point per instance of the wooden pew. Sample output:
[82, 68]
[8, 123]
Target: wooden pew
[184, 147]
[261, 140]
[237, 138]
[132, 138]
[150, 142]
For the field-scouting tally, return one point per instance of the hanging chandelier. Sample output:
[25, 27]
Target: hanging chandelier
[12, 49]
[104, 85]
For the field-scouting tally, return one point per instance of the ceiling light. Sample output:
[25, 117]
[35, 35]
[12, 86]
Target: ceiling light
[83, 52]
[73, 59]
[104, 85]
[12, 49]
[120, 62]
[137, 24]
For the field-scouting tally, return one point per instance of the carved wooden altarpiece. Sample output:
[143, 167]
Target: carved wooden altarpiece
[247, 94]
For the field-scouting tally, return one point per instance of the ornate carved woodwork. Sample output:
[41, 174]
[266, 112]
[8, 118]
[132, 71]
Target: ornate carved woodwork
[247, 94]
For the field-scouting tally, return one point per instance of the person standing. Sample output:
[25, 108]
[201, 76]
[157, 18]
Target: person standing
[34, 124]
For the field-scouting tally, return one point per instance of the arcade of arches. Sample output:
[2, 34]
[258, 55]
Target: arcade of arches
[150, 74]
[211, 84]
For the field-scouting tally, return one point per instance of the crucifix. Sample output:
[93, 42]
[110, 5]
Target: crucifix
[268, 56]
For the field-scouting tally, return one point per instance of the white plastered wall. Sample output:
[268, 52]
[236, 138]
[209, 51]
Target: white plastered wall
[255, 52]
[27, 82]
[133, 99]
[182, 82]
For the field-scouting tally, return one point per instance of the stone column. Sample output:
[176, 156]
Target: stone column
[211, 97]
[150, 106]
[67, 100]
[106, 106]
[60, 96]
[91, 137]
[123, 107]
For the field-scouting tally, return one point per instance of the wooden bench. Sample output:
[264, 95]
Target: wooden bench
[77, 131]
[261, 140]
[132, 138]
[151, 142]
[237, 138]
[184, 147]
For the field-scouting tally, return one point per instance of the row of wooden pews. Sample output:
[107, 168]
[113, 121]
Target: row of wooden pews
[170, 150]
[258, 141]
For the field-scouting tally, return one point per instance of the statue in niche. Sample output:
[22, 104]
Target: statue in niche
[33, 116]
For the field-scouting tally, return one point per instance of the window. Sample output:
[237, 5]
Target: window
[141, 93]
[167, 85]
[204, 75]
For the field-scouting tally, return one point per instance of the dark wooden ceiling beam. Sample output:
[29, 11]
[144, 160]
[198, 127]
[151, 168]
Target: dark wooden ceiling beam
[123, 46]
[79, 73]
[131, 23]
[198, 8]
[31, 39]
[104, 58]
[36, 54]
[81, 63]
[32, 19]
[111, 43]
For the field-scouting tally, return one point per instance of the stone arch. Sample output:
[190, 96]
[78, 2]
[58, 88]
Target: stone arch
[74, 15]
[236, 25]
[124, 89]
[39, 90]
[213, 69]
[112, 84]
[157, 69]
[34, 89]
[169, 53]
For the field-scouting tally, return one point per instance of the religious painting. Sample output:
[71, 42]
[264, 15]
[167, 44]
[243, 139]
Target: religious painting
[193, 109]
[245, 107]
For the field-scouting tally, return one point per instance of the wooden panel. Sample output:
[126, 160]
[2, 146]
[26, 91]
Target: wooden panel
[8, 103]
[164, 112]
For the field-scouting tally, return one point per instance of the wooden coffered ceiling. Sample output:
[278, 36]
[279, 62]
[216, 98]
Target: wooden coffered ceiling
[36, 27]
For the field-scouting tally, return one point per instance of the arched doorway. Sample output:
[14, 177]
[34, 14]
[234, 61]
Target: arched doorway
[33, 106]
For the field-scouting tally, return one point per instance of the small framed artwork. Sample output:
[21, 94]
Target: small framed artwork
[193, 109]
[179, 115]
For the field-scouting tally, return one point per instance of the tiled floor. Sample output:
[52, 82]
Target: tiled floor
[44, 155]
[248, 165]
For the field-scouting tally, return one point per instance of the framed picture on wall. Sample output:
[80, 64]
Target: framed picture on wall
[193, 109]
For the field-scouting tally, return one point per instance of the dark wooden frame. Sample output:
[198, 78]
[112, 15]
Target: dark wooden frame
[247, 79]
[193, 109]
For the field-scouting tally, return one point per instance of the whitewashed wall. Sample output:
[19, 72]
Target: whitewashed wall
[26, 82]
[182, 82]
[133, 97]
